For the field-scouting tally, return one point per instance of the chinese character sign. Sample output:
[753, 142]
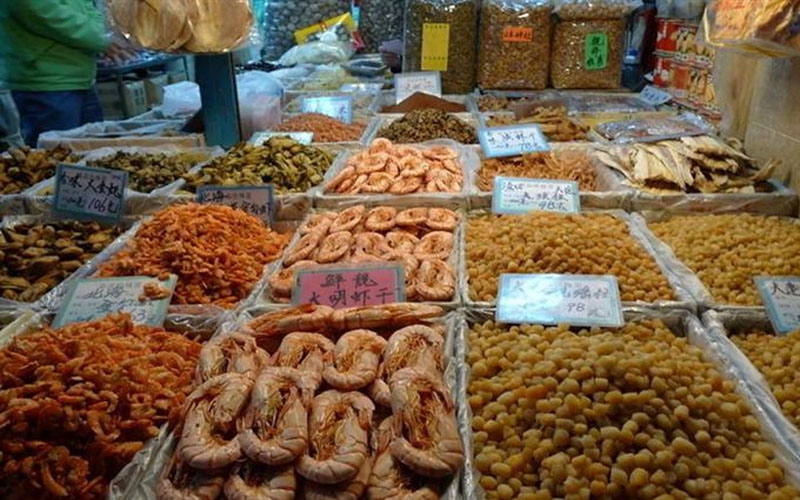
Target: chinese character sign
[781, 295]
[654, 96]
[337, 107]
[553, 299]
[255, 200]
[435, 46]
[407, 84]
[595, 51]
[342, 287]
[86, 192]
[512, 140]
[519, 196]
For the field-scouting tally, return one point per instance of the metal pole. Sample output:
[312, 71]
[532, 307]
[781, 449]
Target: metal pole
[217, 81]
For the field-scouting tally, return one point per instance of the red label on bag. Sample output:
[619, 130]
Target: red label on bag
[357, 286]
[517, 34]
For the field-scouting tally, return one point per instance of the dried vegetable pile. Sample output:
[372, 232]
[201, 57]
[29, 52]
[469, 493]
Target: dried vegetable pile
[325, 128]
[691, 164]
[421, 239]
[318, 404]
[728, 251]
[561, 244]
[217, 252]
[387, 168]
[286, 164]
[428, 125]
[553, 121]
[25, 167]
[629, 413]
[34, 258]
[150, 171]
[556, 165]
[77, 403]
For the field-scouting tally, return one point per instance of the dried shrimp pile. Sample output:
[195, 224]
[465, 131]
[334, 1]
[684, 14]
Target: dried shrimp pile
[386, 168]
[562, 244]
[728, 251]
[77, 403]
[318, 418]
[217, 252]
[629, 413]
[419, 238]
[552, 120]
[325, 128]
[556, 165]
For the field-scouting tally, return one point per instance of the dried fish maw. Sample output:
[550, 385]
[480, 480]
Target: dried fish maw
[154, 24]
[218, 25]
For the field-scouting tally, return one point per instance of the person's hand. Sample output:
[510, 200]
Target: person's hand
[119, 53]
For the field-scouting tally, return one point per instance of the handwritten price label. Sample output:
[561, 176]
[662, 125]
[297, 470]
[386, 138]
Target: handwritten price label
[369, 88]
[781, 295]
[654, 95]
[337, 107]
[93, 299]
[519, 196]
[95, 193]
[407, 84]
[342, 287]
[260, 138]
[554, 299]
[512, 140]
[255, 200]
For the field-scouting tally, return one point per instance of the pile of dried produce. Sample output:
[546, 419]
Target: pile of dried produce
[421, 100]
[34, 258]
[149, 171]
[421, 239]
[325, 128]
[629, 413]
[552, 120]
[340, 415]
[556, 165]
[691, 164]
[286, 164]
[25, 167]
[427, 125]
[217, 252]
[394, 169]
[562, 244]
[77, 403]
[488, 103]
[728, 251]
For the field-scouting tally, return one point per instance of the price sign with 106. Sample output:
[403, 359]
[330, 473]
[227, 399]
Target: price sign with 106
[512, 140]
[95, 193]
[520, 196]
[407, 84]
[337, 107]
[356, 286]
[255, 200]
[781, 295]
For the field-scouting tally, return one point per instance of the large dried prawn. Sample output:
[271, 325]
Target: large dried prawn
[235, 353]
[251, 481]
[306, 318]
[179, 482]
[426, 437]
[356, 359]
[384, 316]
[338, 445]
[308, 352]
[274, 430]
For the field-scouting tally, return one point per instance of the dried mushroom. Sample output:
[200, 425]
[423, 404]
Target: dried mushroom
[25, 167]
[147, 172]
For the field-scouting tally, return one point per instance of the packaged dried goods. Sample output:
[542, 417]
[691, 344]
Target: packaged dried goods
[427, 125]
[514, 44]
[760, 27]
[149, 171]
[361, 101]
[635, 412]
[557, 165]
[217, 252]
[553, 121]
[441, 35]
[325, 128]
[386, 168]
[421, 239]
[421, 100]
[727, 251]
[24, 167]
[607, 103]
[652, 128]
[35, 257]
[283, 18]
[81, 400]
[289, 166]
[380, 21]
[563, 244]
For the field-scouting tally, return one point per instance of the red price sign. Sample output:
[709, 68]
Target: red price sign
[517, 34]
[356, 286]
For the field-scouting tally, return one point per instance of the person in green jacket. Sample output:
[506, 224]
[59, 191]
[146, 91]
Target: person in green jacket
[48, 49]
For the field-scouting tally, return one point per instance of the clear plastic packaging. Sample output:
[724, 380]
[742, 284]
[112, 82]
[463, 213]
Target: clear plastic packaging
[764, 27]
[514, 44]
[381, 21]
[282, 18]
[441, 35]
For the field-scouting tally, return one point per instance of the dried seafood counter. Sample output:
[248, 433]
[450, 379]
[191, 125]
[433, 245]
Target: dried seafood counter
[25, 167]
[148, 172]
[553, 121]
[565, 165]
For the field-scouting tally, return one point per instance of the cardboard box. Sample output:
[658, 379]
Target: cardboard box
[110, 100]
[178, 77]
[135, 97]
[154, 86]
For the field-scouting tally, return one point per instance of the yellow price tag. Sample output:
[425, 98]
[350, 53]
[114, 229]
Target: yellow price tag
[435, 46]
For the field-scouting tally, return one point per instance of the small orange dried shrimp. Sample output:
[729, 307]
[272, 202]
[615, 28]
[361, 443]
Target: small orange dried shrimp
[421, 239]
[386, 168]
[78, 402]
[555, 165]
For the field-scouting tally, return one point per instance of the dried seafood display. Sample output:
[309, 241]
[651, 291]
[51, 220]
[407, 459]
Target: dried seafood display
[35, 257]
[556, 165]
[289, 166]
[765, 27]
[387, 168]
[150, 171]
[553, 121]
[727, 251]
[293, 424]
[217, 252]
[563, 244]
[652, 128]
[630, 413]
[701, 164]
[428, 125]
[421, 239]
[78, 402]
[325, 128]
[24, 167]
[487, 103]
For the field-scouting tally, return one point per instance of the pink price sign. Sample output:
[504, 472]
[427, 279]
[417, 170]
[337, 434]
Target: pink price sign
[342, 287]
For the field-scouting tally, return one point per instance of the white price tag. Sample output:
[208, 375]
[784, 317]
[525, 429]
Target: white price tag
[407, 84]
[781, 295]
[519, 196]
[370, 88]
[337, 107]
[255, 200]
[655, 96]
[554, 299]
[259, 138]
[512, 140]
[86, 192]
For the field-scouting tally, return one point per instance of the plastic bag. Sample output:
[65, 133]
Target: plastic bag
[515, 44]
[573, 10]
[765, 27]
[192, 26]
[381, 21]
[282, 18]
[441, 35]
[327, 48]
[181, 99]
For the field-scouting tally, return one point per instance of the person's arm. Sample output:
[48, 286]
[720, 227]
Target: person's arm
[54, 20]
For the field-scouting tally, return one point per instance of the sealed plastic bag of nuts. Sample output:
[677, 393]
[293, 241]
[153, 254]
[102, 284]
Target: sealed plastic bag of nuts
[514, 44]
[588, 43]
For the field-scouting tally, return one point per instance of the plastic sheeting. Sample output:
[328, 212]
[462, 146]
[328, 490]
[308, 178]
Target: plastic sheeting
[121, 134]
